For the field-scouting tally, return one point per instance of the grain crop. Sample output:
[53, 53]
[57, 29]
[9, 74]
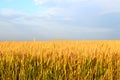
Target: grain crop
[60, 60]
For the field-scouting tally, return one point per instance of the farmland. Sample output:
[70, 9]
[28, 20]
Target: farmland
[60, 60]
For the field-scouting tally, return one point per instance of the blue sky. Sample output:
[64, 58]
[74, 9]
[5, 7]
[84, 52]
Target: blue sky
[59, 19]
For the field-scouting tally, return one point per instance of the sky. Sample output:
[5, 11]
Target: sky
[59, 20]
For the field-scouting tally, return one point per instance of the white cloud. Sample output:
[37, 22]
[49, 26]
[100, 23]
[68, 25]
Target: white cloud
[41, 2]
[109, 6]
[57, 19]
[55, 13]
[8, 12]
[27, 27]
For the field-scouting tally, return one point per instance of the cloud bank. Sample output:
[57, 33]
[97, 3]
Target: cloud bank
[63, 19]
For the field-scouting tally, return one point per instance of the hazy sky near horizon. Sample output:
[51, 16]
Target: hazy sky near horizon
[59, 19]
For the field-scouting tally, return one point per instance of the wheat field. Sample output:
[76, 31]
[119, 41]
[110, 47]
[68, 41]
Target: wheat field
[60, 60]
